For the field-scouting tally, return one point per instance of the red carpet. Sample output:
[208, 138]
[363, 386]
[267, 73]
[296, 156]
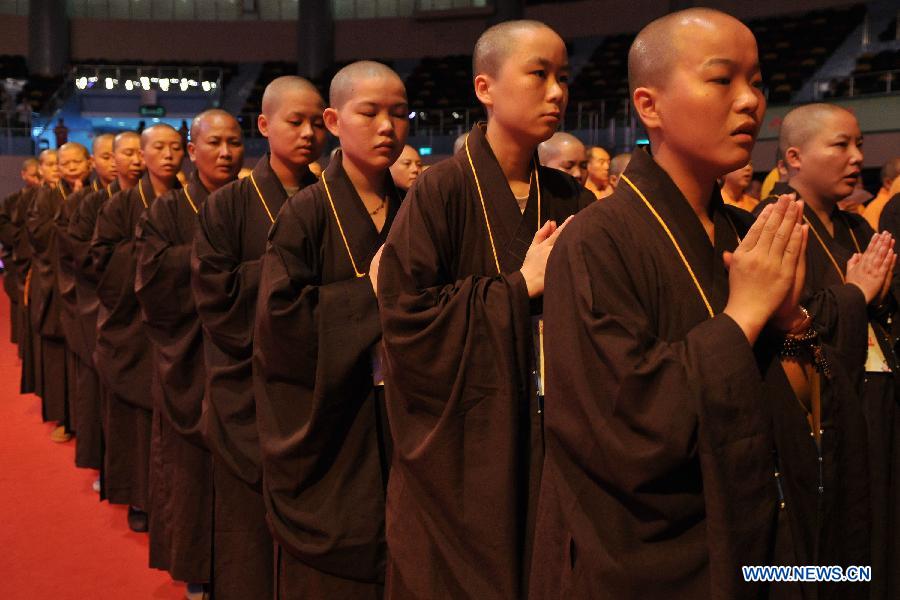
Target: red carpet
[57, 541]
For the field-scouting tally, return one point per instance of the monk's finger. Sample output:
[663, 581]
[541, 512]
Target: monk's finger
[785, 230]
[750, 240]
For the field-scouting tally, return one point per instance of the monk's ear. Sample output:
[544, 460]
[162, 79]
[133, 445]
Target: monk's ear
[483, 90]
[262, 123]
[191, 148]
[645, 105]
[332, 123]
[792, 158]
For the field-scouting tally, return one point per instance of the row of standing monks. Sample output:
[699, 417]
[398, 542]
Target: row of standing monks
[635, 415]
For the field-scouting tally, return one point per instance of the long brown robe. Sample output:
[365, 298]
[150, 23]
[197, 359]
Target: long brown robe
[89, 448]
[122, 355]
[322, 425]
[878, 394]
[670, 440]
[181, 495]
[29, 344]
[83, 391]
[462, 403]
[228, 245]
[8, 241]
[46, 303]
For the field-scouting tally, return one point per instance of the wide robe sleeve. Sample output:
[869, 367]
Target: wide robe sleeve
[316, 325]
[634, 411]
[163, 287]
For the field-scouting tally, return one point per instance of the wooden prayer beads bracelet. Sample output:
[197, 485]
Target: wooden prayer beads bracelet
[794, 345]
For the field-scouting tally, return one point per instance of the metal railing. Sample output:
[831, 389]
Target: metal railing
[861, 84]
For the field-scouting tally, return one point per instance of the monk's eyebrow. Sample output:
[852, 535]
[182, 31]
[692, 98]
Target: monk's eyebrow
[719, 61]
[547, 63]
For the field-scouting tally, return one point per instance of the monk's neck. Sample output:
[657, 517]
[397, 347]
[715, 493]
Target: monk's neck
[367, 182]
[514, 156]
[208, 184]
[822, 207]
[105, 181]
[161, 185]
[695, 187]
[126, 183]
[288, 175]
[735, 192]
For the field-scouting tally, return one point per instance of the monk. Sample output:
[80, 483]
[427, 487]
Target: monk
[889, 172]
[617, 166]
[29, 345]
[56, 362]
[676, 448]
[181, 495]
[31, 178]
[822, 148]
[459, 286]
[565, 152]
[83, 394]
[598, 172]
[734, 188]
[122, 355]
[129, 167]
[406, 169]
[320, 396]
[225, 270]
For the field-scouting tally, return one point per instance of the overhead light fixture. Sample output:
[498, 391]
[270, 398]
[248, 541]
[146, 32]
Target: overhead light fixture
[164, 85]
[109, 83]
[129, 85]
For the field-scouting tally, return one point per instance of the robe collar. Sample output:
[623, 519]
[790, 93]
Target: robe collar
[512, 230]
[145, 186]
[842, 244]
[362, 236]
[194, 191]
[678, 214]
[270, 185]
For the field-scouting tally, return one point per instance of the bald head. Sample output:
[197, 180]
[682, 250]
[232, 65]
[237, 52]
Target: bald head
[658, 45]
[30, 174]
[617, 165]
[212, 116]
[459, 142]
[46, 156]
[74, 148]
[29, 163]
[803, 123]
[347, 80]
[560, 143]
[156, 131]
[890, 170]
[281, 88]
[102, 143]
[124, 138]
[496, 44]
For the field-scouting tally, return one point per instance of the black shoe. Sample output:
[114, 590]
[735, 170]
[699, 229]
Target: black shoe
[137, 520]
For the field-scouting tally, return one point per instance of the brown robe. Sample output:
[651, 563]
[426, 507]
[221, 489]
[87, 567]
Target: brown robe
[80, 230]
[122, 355]
[181, 495]
[84, 393]
[322, 426]
[462, 405]
[228, 245]
[663, 425]
[8, 241]
[877, 397]
[29, 344]
[46, 314]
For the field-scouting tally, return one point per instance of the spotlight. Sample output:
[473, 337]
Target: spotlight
[81, 83]
[145, 83]
[205, 86]
[184, 85]
[164, 85]
[109, 83]
[129, 85]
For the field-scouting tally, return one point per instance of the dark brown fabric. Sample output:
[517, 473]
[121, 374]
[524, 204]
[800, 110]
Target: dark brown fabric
[295, 580]
[663, 426]
[89, 438]
[22, 255]
[7, 243]
[228, 244]
[122, 355]
[461, 400]
[324, 467]
[182, 496]
[243, 555]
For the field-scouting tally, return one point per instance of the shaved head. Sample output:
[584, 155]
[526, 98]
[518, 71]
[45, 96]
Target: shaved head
[890, 170]
[618, 163]
[74, 147]
[155, 130]
[803, 123]
[496, 44]
[557, 144]
[278, 87]
[657, 46]
[29, 163]
[125, 135]
[208, 116]
[100, 141]
[43, 156]
[347, 79]
[459, 143]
